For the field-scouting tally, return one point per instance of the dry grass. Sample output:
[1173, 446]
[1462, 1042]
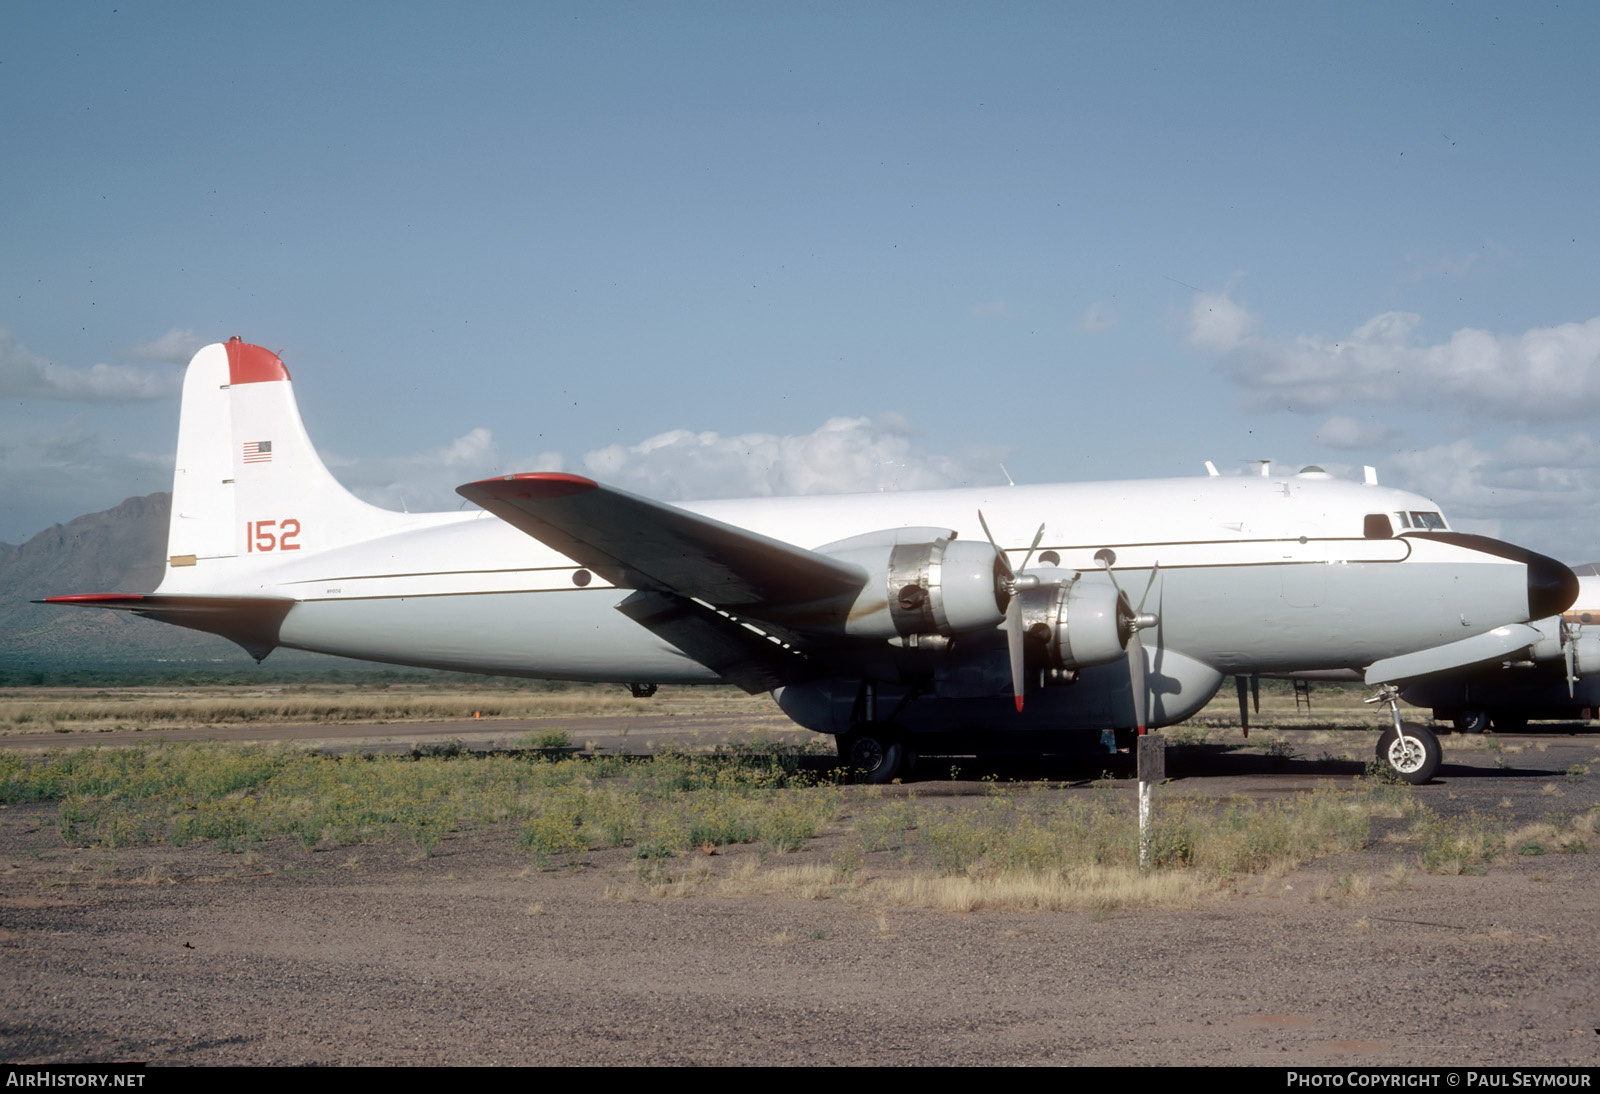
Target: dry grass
[46, 710]
[1093, 888]
[1342, 890]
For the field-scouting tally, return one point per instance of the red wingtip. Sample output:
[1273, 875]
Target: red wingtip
[93, 598]
[538, 484]
[1019, 704]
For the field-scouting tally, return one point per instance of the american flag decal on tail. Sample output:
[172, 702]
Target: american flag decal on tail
[257, 451]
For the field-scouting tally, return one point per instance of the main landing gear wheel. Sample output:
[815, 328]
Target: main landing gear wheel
[1414, 755]
[875, 750]
[1472, 721]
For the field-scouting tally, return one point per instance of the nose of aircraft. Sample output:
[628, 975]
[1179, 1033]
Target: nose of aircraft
[1552, 587]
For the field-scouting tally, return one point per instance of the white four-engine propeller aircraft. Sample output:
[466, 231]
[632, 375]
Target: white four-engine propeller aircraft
[886, 619]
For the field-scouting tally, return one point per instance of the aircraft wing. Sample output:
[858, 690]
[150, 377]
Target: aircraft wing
[1496, 644]
[637, 543]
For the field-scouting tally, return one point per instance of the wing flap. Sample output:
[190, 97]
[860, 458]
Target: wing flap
[637, 543]
[755, 660]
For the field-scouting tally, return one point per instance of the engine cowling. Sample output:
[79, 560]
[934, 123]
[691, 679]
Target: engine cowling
[1554, 637]
[1077, 622]
[922, 585]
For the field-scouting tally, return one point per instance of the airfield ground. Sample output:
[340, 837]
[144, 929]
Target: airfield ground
[475, 954]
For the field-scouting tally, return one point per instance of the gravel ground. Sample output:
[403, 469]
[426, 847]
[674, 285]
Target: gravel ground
[371, 955]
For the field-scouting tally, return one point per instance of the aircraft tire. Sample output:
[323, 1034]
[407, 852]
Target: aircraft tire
[876, 751]
[1510, 723]
[1471, 721]
[1416, 758]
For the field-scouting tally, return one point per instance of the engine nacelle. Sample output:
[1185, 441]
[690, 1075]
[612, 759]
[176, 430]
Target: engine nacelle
[922, 583]
[1551, 646]
[1586, 652]
[1078, 622]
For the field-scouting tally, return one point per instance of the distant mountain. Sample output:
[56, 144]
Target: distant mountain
[121, 550]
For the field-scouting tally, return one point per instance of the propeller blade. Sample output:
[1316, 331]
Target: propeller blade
[1136, 678]
[1570, 653]
[1154, 570]
[1004, 561]
[1107, 558]
[1014, 648]
[1013, 608]
[1034, 546]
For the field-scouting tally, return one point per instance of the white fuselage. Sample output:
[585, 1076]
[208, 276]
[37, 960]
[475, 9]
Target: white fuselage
[1255, 574]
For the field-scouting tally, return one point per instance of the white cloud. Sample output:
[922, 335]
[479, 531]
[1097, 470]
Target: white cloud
[1217, 324]
[1342, 432]
[1536, 490]
[1543, 374]
[174, 347]
[26, 375]
[843, 455]
[1099, 317]
[427, 481]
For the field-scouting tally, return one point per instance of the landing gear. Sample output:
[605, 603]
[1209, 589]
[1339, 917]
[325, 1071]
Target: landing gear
[1471, 721]
[876, 750]
[1411, 751]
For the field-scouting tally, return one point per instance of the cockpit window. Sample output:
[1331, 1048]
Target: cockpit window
[1429, 522]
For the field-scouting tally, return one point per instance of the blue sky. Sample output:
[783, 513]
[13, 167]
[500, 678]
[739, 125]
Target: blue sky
[718, 249]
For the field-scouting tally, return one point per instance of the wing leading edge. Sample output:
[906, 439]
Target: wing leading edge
[637, 543]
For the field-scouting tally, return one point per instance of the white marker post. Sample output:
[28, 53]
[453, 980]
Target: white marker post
[1152, 770]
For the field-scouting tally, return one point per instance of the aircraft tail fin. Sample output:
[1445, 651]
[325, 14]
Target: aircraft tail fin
[249, 489]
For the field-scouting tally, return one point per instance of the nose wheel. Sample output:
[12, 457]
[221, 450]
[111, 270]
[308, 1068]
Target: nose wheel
[1411, 751]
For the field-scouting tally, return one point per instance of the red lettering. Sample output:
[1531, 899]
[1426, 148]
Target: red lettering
[258, 535]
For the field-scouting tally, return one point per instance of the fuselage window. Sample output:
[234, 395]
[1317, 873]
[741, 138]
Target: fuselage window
[1377, 526]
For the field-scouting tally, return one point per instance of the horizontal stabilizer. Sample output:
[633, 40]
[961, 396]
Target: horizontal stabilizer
[636, 543]
[1497, 644]
[250, 621]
